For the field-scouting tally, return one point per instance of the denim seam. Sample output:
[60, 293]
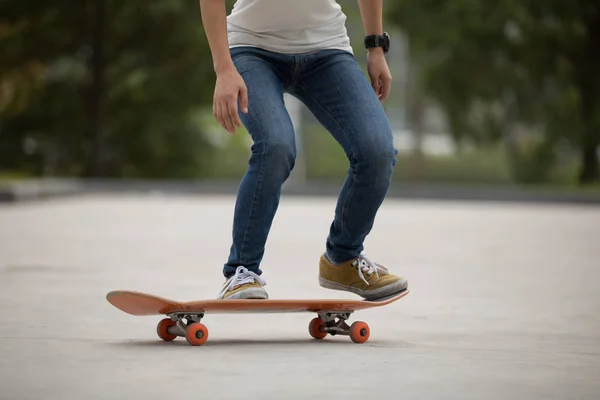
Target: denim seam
[256, 189]
[352, 148]
[255, 58]
[252, 54]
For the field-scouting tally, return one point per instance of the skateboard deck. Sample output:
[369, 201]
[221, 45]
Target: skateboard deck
[183, 318]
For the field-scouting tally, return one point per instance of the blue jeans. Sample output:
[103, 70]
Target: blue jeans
[334, 88]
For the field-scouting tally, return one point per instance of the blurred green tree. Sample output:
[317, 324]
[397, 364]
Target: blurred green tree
[104, 88]
[510, 69]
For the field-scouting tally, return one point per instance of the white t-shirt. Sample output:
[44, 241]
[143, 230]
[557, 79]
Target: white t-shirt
[288, 26]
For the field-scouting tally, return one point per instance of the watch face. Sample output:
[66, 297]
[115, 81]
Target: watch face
[386, 42]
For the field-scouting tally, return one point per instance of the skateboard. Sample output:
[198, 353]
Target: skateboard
[183, 318]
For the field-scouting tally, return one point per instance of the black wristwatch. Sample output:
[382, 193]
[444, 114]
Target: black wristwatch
[374, 41]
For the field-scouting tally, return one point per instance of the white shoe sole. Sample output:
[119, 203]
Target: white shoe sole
[374, 294]
[249, 294]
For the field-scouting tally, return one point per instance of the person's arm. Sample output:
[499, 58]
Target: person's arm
[372, 17]
[229, 86]
[214, 19]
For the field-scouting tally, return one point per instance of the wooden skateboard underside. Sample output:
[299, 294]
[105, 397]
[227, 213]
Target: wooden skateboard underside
[140, 304]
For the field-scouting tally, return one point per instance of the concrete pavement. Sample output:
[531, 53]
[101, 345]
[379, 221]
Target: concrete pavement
[503, 304]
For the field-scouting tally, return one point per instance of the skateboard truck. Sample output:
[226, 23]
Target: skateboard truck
[335, 323]
[332, 323]
[183, 324]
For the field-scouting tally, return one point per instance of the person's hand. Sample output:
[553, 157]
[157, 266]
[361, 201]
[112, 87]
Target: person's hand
[379, 72]
[229, 88]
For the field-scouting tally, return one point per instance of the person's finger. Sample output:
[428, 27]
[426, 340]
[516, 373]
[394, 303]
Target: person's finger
[377, 88]
[216, 111]
[233, 114]
[221, 115]
[244, 99]
[386, 88]
[228, 114]
[375, 83]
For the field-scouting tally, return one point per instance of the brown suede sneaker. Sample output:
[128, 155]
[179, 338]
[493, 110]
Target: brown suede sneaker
[361, 276]
[244, 284]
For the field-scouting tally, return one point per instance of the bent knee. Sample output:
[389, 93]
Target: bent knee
[376, 158]
[278, 155]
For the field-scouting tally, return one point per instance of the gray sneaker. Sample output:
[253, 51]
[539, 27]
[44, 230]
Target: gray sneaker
[244, 284]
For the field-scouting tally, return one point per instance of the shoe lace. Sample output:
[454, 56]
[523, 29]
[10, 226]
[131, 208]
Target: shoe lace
[241, 277]
[365, 266]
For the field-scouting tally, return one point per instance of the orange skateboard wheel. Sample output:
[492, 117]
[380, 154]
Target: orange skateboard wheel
[196, 334]
[315, 328]
[359, 332]
[162, 329]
